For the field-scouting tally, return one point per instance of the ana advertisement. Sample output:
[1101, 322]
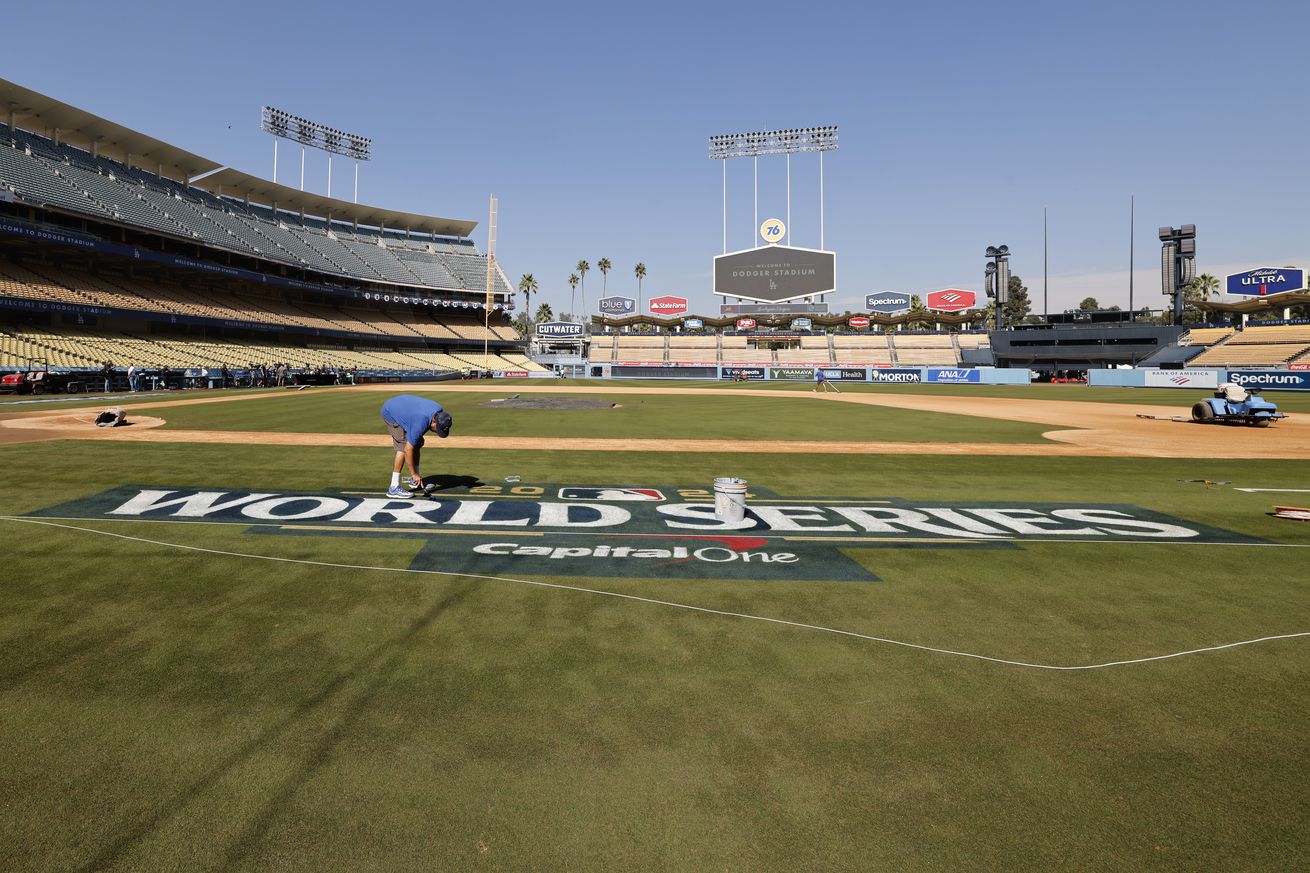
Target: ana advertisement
[801, 324]
[1266, 280]
[559, 330]
[859, 322]
[1271, 380]
[960, 375]
[887, 302]
[693, 323]
[667, 305]
[895, 375]
[951, 300]
[775, 274]
[617, 305]
[1182, 378]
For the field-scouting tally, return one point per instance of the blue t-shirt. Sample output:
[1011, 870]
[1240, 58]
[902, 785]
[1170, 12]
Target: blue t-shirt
[412, 413]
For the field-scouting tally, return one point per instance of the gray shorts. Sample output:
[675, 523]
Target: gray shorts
[397, 436]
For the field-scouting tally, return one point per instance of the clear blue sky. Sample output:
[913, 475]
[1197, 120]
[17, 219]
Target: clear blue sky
[959, 123]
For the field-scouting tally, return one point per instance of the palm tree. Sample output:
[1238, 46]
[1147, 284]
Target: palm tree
[582, 269]
[528, 285]
[573, 289]
[544, 312]
[604, 266]
[1202, 287]
[640, 272]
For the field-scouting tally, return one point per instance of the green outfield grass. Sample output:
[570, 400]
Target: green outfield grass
[1288, 401]
[172, 710]
[645, 417]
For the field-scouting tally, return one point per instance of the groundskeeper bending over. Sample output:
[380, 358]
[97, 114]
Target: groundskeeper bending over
[408, 418]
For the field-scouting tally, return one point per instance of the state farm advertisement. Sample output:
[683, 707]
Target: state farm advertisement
[668, 305]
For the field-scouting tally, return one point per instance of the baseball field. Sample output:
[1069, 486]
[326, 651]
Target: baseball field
[959, 628]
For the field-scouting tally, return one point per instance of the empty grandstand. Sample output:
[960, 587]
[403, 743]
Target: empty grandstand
[1255, 346]
[117, 246]
[807, 349]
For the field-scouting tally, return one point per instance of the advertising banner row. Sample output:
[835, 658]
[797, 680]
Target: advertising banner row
[1269, 380]
[886, 375]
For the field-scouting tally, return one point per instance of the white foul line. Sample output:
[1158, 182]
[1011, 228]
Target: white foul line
[670, 603]
[1280, 490]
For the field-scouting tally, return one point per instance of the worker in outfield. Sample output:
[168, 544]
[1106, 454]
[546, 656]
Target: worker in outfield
[407, 418]
[821, 382]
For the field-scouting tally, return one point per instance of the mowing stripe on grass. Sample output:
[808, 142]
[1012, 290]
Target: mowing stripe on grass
[676, 605]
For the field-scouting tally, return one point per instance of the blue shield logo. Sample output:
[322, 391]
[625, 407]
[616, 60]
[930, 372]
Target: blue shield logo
[617, 305]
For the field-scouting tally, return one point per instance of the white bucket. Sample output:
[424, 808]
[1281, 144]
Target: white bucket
[729, 499]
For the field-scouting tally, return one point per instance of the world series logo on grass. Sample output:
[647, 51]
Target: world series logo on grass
[663, 532]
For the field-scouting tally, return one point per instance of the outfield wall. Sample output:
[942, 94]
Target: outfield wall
[1267, 378]
[835, 373]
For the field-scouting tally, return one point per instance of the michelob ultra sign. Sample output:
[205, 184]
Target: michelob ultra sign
[1263, 281]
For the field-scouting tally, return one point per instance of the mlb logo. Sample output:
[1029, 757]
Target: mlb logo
[651, 495]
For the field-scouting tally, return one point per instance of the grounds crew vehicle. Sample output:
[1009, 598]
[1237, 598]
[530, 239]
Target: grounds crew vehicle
[1233, 404]
[38, 379]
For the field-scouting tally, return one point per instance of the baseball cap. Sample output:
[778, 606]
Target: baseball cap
[444, 421]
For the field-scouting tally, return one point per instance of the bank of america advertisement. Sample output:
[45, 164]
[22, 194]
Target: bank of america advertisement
[775, 274]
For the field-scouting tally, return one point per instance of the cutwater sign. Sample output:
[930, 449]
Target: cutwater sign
[801, 324]
[1266, 280]
[887, 302]
[960, 375]
[559, 330]
[1274, 380]
[652, 532]
[693, 323]
[617, 305]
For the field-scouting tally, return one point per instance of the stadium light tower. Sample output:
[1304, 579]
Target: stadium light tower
[772, 142]
[997, 275]
[284, 125]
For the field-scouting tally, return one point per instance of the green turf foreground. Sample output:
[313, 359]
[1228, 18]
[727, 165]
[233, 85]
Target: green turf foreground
[170, 710]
